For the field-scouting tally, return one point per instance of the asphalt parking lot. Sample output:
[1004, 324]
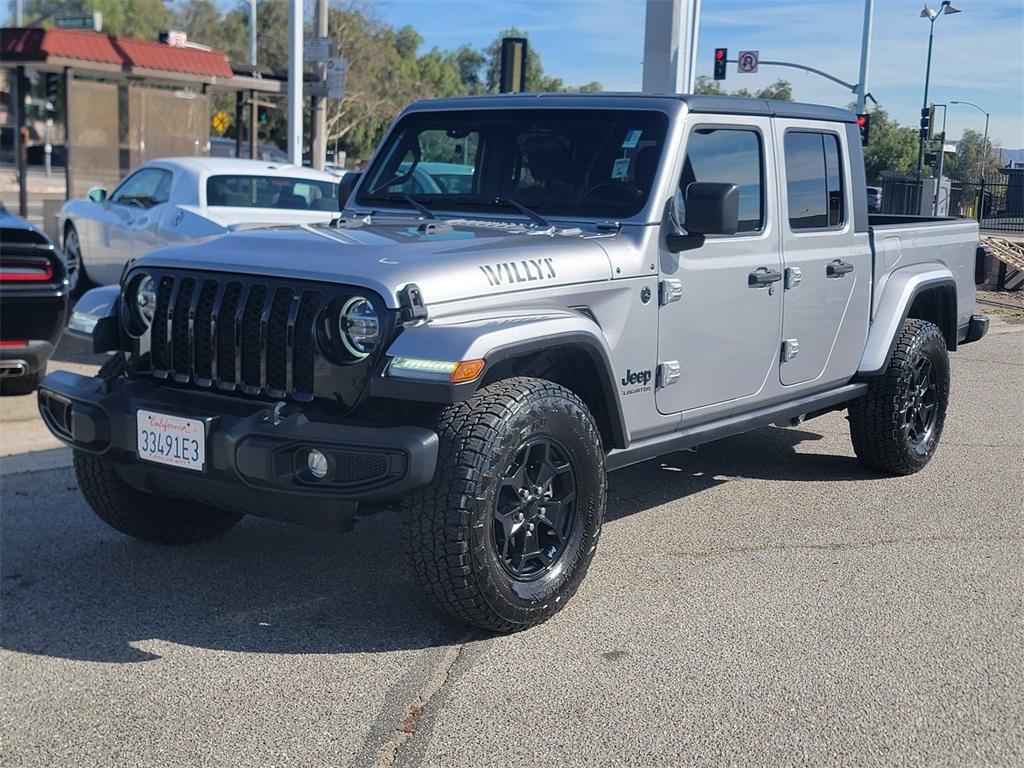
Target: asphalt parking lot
[763, 601]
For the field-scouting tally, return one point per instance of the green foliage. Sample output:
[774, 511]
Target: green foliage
[386, 70]
[780, 89]
[892, 148]
[132, 18]
[971, 161]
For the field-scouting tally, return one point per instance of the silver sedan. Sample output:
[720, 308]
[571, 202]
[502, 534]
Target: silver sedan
[183, 199]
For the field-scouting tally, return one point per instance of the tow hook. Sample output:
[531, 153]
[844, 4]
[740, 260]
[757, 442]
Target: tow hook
[273, 414]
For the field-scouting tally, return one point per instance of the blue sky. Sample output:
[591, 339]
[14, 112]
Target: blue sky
[979, 53]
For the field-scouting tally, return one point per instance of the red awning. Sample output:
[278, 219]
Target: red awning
[39, 45]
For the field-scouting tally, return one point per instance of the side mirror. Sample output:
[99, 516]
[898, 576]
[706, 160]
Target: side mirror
[711, 209]
[93, 325]
[345, 186]
[96, 194]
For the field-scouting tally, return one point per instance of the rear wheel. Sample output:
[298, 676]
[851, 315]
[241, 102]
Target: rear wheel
[896, 426]
[76, 265]
[504, 535]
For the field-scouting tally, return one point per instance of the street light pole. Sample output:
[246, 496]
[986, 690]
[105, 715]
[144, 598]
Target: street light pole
[984, 140]
[865, 54]
[946, 8]
[295, 82]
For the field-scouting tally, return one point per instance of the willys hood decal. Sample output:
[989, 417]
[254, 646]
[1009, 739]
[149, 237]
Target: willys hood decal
[447, 260]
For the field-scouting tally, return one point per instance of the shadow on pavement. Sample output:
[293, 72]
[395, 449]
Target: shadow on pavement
[765, 454]
[73, 588]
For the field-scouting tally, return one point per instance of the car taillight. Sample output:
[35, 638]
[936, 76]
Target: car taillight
[6, 344]
[26, 271]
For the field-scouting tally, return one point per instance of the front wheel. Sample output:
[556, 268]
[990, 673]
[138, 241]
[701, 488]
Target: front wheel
[896, 426]
[504, 534]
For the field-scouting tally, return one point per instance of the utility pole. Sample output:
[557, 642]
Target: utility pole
[670, 46]
[254, 107]
[942, 157]
[19, 12]
[252, 32]
[865, 55]
[295, 82]
[318, 143]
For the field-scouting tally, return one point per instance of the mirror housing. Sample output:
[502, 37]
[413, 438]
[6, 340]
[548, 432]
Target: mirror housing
[93, 325]
[712, 208]
[96, 194]
[345, 187]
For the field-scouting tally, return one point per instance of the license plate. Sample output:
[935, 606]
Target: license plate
[172, 440]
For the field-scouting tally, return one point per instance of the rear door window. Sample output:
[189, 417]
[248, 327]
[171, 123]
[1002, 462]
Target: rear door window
[814, 187]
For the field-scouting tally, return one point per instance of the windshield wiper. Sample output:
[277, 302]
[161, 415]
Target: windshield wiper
[419, 206]
[535, 217]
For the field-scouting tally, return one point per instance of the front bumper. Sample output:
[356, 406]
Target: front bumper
[255, 453]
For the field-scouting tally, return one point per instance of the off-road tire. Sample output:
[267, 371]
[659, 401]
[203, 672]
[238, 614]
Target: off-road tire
[22, 385]
[448, 524]
[878, 421]
[143, 515]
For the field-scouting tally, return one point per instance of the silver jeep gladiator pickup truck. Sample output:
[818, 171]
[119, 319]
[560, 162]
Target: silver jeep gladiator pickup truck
[521, 294]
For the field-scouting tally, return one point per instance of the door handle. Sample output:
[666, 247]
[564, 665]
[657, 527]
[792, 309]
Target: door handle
[763, 276]
[838, 268]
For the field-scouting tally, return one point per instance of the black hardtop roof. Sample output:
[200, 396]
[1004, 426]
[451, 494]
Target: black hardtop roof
[698, 103]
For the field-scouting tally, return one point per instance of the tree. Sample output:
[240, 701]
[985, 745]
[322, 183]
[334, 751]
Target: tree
[131, 18]
[892, 148]
[536, 80]
[781, 90]
[971, 162]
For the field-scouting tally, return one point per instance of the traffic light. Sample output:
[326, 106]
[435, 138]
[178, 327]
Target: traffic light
[926, 121]
[52, 86]
[721, 57]
[933, 125]
[264, 114]
[864, 123]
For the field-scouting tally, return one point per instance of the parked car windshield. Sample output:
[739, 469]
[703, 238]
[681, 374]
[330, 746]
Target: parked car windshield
[237, 191]
[589, 163]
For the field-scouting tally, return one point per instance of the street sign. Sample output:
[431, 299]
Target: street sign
[337, 78]
[221, 121]
[93, 21]
[747, 62]
[317, 49]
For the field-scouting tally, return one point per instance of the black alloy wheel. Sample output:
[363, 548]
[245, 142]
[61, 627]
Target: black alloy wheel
[920, 403]
[535, 509]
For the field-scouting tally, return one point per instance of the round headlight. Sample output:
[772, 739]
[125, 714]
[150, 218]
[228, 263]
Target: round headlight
[358, 326]
[144, 300]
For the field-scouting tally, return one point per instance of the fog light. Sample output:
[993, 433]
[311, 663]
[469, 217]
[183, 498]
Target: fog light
[317, 463]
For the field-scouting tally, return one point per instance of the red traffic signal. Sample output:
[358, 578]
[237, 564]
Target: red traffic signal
[721, 58]
[864, 123]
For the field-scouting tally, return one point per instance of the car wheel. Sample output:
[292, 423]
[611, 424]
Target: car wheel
[896, 426]
[76, 265]
[504, 534]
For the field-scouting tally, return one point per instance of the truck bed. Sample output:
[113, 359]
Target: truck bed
[899, 241]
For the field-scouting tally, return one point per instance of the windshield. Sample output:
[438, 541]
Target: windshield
[271, 192]
[588, 163]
